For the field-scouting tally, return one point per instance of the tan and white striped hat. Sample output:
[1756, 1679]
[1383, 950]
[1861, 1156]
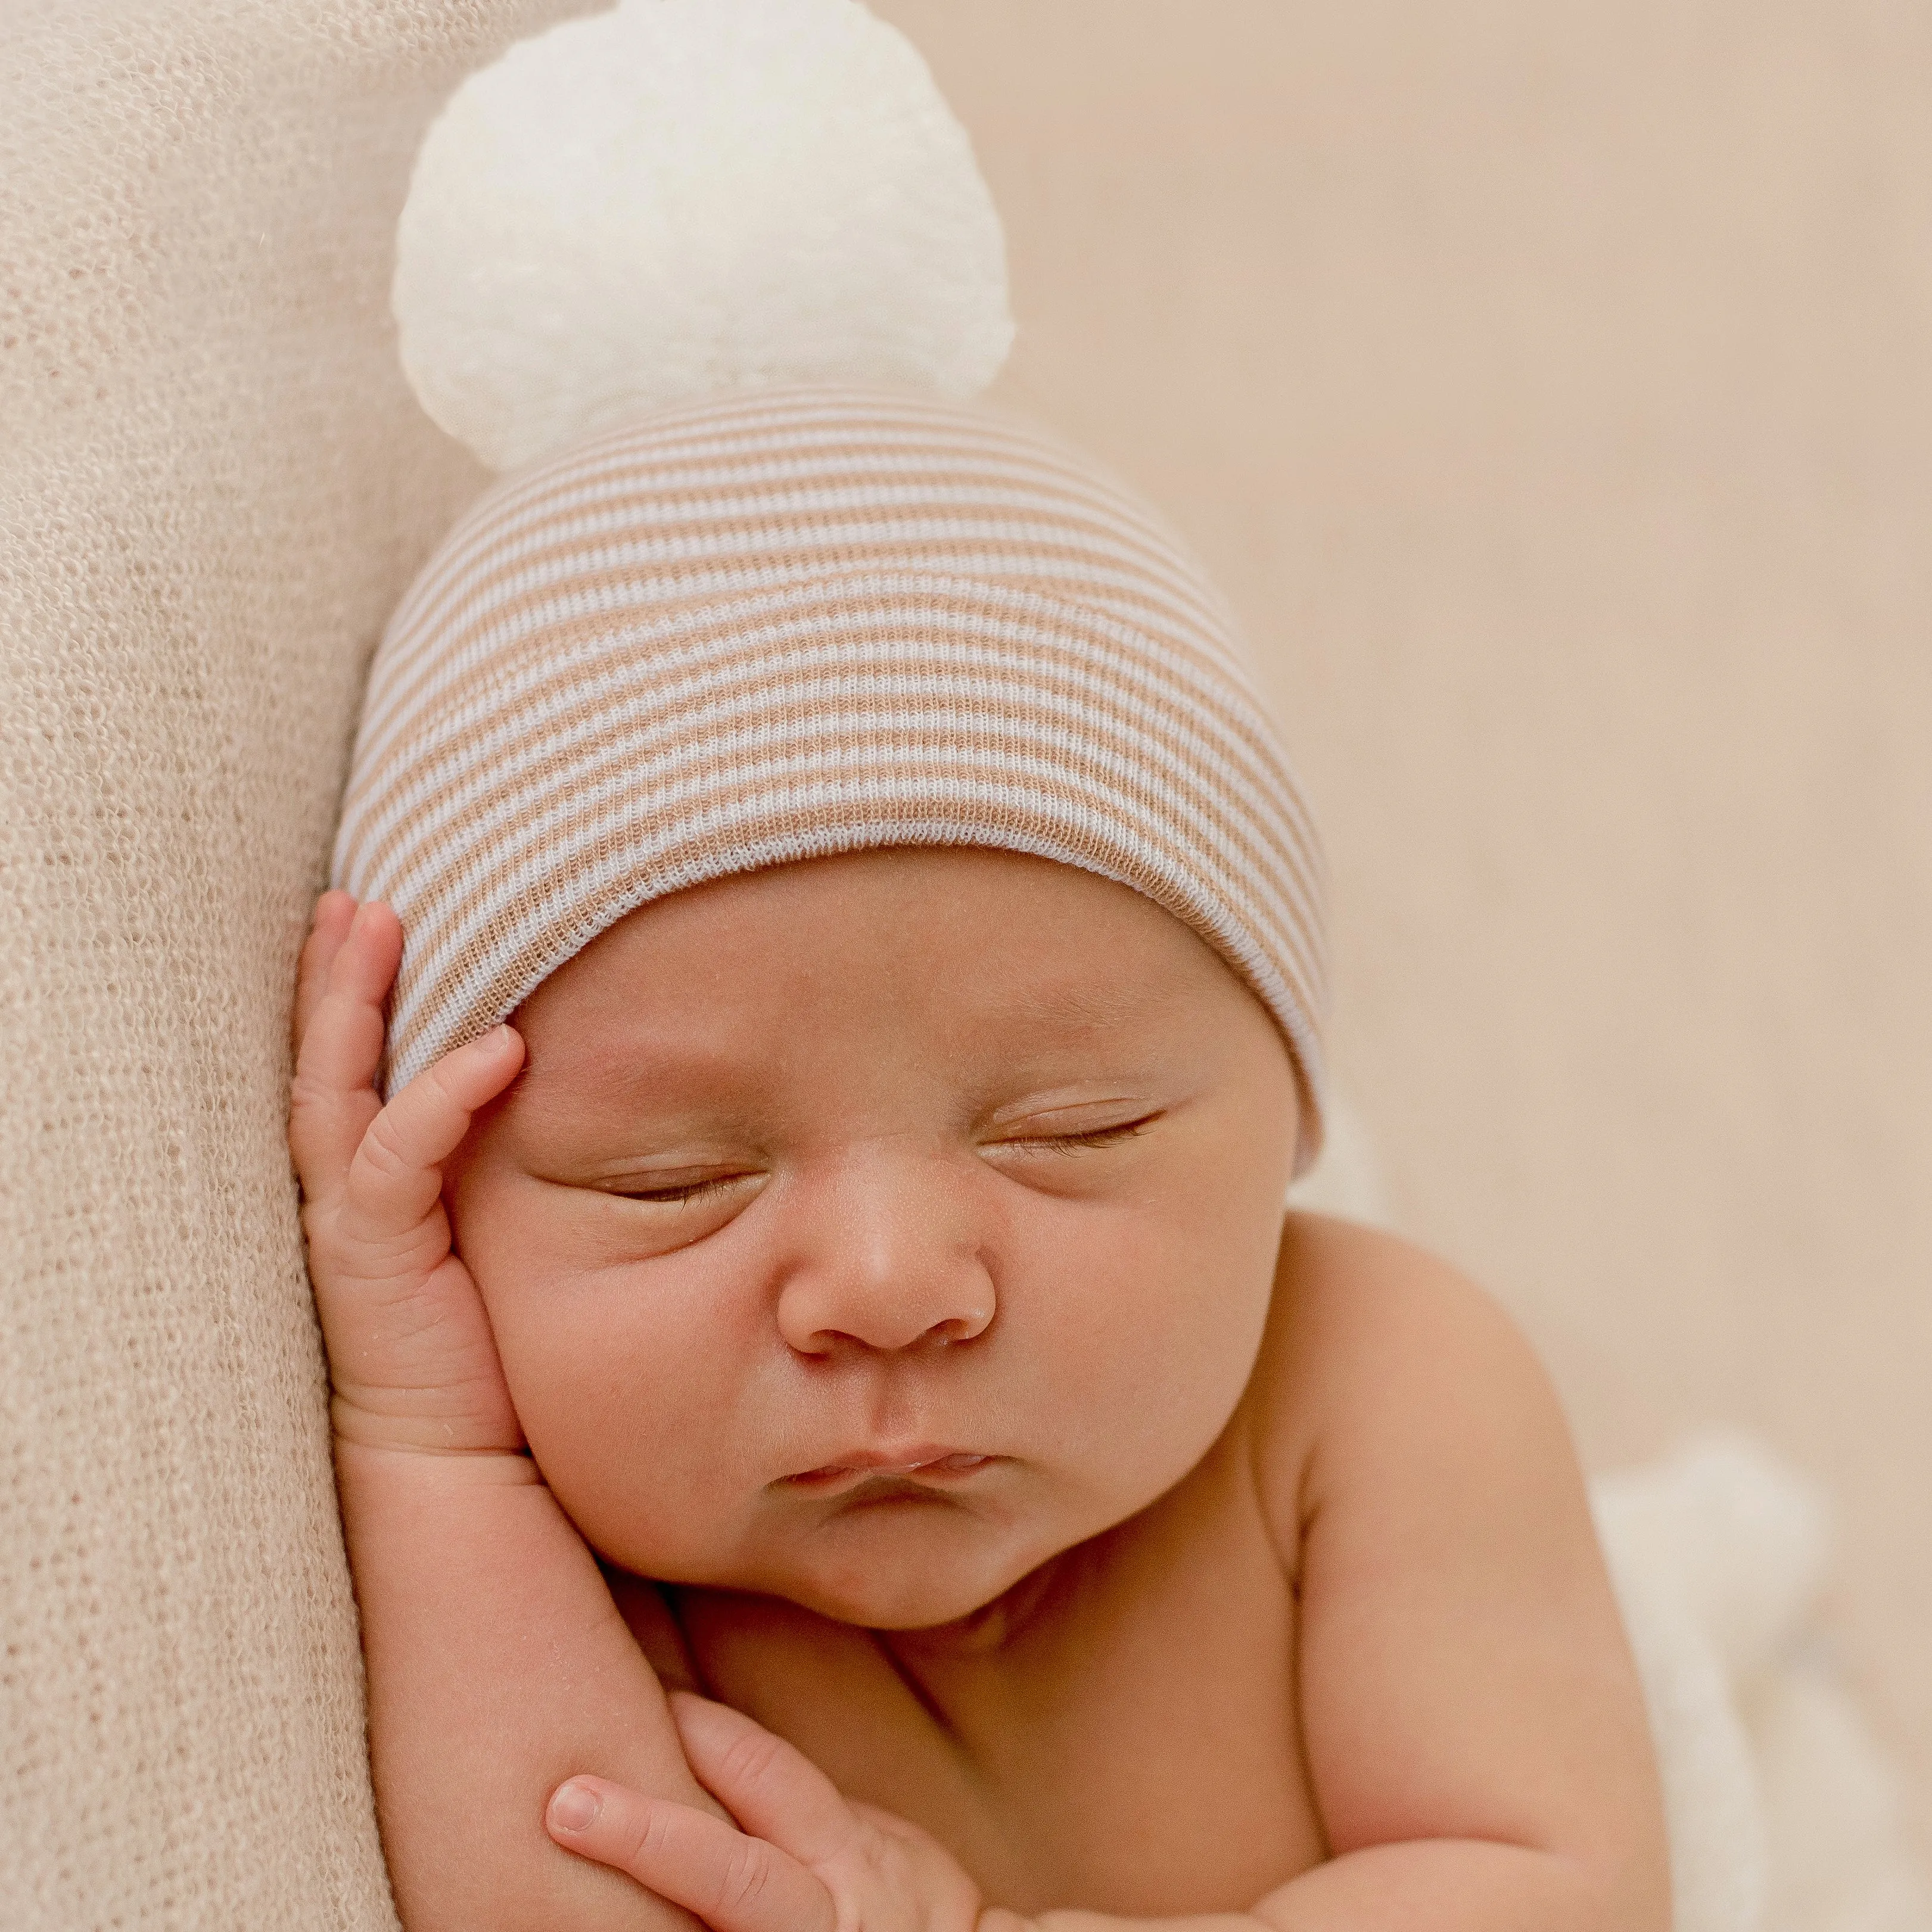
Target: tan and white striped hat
[793, 623]
[780, 623]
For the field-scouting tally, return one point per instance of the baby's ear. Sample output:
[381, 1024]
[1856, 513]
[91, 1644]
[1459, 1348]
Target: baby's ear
[642, 1605]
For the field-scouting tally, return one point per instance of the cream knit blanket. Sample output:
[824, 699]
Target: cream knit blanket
[1784, 1816]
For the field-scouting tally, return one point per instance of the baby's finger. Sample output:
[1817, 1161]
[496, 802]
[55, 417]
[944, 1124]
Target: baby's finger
[734, 1883]
[771, 1787]
[327, 930]
[333, 1097]
[396, 1176]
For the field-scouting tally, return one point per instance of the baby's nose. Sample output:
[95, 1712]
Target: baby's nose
[887, 1321]
[889, 1260]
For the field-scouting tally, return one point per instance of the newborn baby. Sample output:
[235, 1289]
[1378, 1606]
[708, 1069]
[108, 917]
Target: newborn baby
[887, 1252]
[836, 1430]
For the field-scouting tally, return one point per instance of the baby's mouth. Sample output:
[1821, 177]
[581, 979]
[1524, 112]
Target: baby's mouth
[926, 1465]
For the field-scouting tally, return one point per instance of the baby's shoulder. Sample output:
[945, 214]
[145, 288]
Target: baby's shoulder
[1380, 1358]
[1351, 1301]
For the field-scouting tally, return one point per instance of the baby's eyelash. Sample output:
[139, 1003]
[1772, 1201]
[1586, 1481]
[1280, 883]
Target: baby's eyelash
[1099, 1137]
[682, 1194]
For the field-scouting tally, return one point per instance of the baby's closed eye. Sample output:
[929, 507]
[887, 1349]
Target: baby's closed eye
[1072, 1140]
[679, 1191]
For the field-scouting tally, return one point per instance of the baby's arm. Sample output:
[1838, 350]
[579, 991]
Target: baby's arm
[1474, 1728]
[497, 1662]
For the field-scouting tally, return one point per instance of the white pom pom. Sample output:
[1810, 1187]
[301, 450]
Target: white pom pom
[687, 196]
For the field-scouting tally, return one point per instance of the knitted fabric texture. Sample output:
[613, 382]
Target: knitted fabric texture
[776, 627]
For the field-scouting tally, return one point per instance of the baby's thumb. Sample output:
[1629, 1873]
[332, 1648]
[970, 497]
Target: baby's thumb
[396, 1177]
[771, 1787]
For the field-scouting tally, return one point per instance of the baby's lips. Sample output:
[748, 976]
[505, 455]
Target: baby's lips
[926, 1463]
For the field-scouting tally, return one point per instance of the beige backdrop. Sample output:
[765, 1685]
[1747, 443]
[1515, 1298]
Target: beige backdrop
[1551, 385]
[1544, 377]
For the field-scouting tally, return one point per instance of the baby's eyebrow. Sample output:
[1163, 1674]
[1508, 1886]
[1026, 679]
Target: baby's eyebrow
[656, 1074]
[1080, 1008]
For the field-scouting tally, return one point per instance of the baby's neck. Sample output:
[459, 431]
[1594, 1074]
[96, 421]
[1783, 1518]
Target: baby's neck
[995, 1627]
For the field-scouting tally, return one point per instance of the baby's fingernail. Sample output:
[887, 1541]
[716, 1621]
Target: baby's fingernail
[573, 1808]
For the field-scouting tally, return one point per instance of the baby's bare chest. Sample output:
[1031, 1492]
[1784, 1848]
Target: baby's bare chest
[1120, 1734]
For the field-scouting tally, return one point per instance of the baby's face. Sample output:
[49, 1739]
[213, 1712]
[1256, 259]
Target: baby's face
[866, 1232]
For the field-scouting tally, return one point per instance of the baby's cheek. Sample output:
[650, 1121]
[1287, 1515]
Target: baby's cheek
[625, 1393]
[1138, 1332]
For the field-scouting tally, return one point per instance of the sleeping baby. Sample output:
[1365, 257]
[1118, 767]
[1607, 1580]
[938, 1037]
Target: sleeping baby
[797, 1088]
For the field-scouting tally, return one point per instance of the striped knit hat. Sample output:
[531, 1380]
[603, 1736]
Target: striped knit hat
[795, 619]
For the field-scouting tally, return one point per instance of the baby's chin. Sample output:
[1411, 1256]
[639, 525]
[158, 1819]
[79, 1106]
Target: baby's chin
[903, 1602]
[901, 1568]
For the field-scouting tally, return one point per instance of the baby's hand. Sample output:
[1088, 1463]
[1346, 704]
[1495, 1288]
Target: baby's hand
[814, 1861]
[410, 1352]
